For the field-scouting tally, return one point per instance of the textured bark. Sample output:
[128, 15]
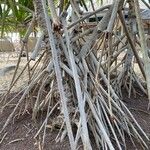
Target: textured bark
[40, 15]
[41, 21]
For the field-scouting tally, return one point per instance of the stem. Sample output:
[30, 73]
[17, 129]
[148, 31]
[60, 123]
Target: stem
[89, 15]
[131, 43]
[143, 46]
[54, 16]
[59, 77]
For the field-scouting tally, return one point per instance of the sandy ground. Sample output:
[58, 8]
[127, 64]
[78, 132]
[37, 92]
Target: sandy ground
[19, 134]
[10, 59]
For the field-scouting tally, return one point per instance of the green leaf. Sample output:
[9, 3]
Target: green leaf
[13, 7]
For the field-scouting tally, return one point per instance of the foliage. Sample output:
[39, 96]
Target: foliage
[15, 15]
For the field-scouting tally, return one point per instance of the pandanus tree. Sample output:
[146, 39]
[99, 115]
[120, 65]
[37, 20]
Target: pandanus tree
[81, 75]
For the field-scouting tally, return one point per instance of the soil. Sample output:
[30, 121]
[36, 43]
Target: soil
[19, 134]
[138, 107]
